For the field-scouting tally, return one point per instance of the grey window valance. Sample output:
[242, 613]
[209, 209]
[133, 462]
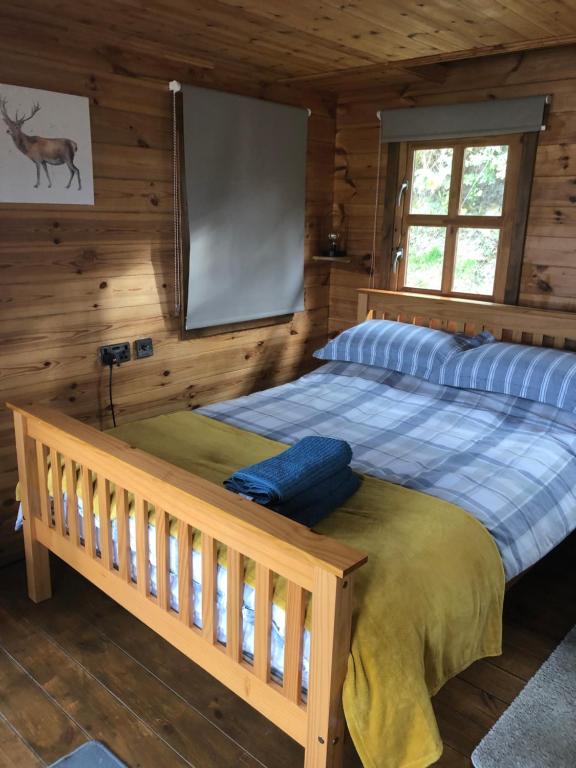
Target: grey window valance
[455, 121]
[245, 172]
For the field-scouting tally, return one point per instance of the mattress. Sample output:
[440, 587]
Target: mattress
[278, 628]
[508, 461]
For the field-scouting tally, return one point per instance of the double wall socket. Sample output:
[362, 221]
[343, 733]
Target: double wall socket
[120, 353]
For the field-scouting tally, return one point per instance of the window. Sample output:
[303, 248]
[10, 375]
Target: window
[454, 216]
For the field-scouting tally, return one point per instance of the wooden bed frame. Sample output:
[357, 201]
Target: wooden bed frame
[508, 322]
[311, 563]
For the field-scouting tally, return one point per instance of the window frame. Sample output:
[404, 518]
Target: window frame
[511, 223]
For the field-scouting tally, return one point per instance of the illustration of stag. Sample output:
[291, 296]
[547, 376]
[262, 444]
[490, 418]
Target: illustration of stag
[43, 152]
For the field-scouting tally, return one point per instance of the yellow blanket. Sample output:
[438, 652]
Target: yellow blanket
[427, 604]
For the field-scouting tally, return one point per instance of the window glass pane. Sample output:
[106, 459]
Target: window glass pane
[425, 257]
[431, 181]
[483, 176]
[475, 265]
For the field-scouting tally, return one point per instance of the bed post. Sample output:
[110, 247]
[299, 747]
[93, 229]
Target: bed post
[37, 556]
[362, 309]
[330, 648]
[363, 313]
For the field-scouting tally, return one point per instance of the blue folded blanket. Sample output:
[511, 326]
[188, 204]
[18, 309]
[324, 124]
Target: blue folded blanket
[319, 500]
[295, 470]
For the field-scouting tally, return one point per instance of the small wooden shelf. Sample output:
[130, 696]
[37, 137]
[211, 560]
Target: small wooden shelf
[343, 259]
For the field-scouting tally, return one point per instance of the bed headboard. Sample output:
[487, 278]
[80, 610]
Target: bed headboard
[508, 322]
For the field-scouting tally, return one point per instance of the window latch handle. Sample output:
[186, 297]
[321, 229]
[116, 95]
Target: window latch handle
[397, 254]
[402, 191]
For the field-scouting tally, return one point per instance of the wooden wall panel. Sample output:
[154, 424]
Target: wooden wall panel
[549, 274]
[73, 278]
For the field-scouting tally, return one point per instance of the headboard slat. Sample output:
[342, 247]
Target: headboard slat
[539, 327]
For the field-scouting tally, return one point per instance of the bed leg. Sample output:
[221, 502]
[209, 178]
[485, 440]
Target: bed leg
[37, 556]
[37, 567]
[330, 648]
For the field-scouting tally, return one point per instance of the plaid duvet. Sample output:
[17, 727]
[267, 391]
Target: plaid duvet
[508, 461]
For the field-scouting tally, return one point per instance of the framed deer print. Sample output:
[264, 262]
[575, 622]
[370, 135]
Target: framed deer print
[45, 147]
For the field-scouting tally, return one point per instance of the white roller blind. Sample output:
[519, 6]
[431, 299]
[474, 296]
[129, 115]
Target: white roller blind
[245, 165]
[456, 121]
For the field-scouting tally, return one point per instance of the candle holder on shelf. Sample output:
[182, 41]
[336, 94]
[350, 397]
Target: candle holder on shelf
[333, 238]
[332, 242]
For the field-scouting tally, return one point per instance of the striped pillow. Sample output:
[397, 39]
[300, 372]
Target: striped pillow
[535, 373]
[400, 347]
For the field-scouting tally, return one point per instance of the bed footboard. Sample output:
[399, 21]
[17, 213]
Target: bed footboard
[49, 443]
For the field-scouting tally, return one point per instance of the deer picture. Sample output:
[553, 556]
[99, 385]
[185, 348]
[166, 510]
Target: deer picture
[43, 152]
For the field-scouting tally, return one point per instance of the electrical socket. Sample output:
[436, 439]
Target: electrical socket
[120, 352]
[144, 348]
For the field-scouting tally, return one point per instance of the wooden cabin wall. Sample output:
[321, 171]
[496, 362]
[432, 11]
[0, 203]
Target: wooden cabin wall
[75, 277]
[549, 272]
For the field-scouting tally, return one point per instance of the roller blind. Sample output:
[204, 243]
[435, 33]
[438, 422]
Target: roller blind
[245, 164]
[456, 121]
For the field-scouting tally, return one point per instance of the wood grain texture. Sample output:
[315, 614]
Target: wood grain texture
[14, 750]
[234, 602]
[308, 561]
[209, 564]
[286, 547]
[106, 545]
[272, 41]
[162, 559]
[295, 607]
[191, 712]
[37, 557]
[142, 546]
[263, 619]
[184, 572]
[538, 327]
[548, 274]
[76, 277]
[123, 534]
[88, 509]
[329, 653]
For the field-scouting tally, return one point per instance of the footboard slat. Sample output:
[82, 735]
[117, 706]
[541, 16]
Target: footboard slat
[235, 577]
[208, 587]
[123, 533]
[43, 494]
[263, 624]
[293, 643]
[56, 470]
[142, 564]
[184, 572]
[88, 512]
[104, 520]
[162, 559]
[71, 500]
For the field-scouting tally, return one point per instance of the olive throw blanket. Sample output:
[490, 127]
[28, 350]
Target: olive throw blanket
[427, 603]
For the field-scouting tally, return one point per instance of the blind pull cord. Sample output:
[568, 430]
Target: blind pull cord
[376, 206]
[175, 88]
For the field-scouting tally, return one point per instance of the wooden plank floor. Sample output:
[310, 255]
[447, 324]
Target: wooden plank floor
[80, 667]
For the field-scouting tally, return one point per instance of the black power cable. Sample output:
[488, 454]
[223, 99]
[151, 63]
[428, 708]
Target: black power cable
[109, 359]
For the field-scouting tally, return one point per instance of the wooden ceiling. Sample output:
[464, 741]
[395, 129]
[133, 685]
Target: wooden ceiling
[292, 41]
